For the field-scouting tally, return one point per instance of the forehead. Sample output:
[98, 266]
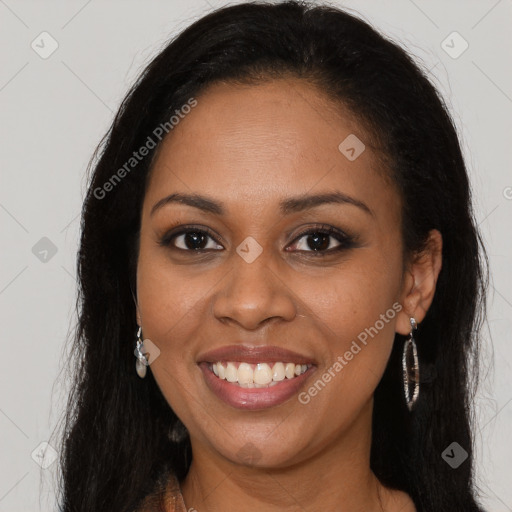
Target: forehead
[260, 143]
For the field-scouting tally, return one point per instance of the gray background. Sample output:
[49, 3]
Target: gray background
[55, 110]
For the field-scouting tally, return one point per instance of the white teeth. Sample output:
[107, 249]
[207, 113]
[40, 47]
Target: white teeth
[278, 372]
[260, 375]
[245, 374]
[289, 371]
[231, 373]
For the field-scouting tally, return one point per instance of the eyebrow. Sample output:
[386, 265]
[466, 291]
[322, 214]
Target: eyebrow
[287, 206]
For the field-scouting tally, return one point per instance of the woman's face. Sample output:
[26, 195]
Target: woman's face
[255, 158]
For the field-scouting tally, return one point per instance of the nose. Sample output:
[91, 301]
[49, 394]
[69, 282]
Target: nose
[253, 294]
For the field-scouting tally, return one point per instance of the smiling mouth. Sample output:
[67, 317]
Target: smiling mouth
[259, 375]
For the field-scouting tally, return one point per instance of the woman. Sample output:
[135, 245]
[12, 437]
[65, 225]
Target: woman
[281, 280]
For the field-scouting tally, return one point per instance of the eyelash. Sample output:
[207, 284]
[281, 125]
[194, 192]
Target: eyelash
[345, 241]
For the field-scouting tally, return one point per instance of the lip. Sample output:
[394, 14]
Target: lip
[253, 398]
[262, 354]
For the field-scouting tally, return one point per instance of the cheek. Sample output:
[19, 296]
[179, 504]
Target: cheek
[166, 293]
[355, 311]
[171, 308]
[353, 296]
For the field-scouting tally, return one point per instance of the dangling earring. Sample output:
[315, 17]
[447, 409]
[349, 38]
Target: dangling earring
[142, 362]
[411, 373]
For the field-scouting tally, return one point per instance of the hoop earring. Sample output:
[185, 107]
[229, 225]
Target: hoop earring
[142, 362]
[411, 372]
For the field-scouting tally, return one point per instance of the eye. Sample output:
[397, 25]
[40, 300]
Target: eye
[322, 240]
[191, 239]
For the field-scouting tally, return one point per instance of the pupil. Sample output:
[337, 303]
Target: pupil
[316, 237]
[194, 238]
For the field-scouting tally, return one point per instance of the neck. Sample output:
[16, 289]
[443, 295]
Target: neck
[336, 477]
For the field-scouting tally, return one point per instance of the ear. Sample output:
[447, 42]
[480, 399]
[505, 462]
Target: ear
[419, 283]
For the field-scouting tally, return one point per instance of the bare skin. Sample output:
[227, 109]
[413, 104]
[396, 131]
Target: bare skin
[251, 147]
